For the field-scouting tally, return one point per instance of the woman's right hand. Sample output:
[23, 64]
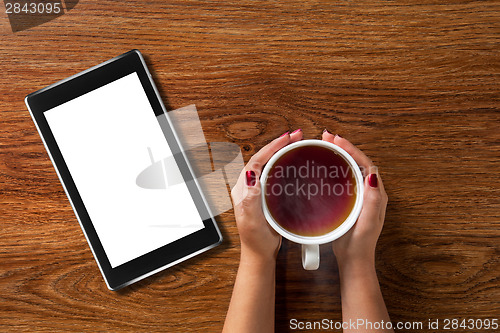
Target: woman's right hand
[358, 244]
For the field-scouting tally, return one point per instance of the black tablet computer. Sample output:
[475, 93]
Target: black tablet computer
[100, 128]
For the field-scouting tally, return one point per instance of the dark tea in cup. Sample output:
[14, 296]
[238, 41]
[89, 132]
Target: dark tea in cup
[312, 195]
[310, 190]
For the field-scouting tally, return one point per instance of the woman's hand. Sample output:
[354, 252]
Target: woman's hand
[258, 240]
[355, 251]
[252, 304]
[358, 244]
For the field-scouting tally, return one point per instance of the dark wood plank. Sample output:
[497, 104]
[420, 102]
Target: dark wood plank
[415, 84]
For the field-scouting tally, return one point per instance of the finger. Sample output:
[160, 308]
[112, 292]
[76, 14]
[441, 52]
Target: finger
[252, 206]
[361, 159]
[296, 135]
[381, 185]
[258, 160]
[264, 154]
[251, 203]
[384, 198]
[238, 189]
[372, 203]
[243, 189]
[327, 136]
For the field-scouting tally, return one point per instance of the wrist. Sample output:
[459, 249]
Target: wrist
[358, 265]
[250, 257]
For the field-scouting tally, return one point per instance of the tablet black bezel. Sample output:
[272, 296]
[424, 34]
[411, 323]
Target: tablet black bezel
[80, 84]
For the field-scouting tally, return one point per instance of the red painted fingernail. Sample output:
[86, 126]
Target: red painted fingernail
[338, 136]
[373, 180]
[251, 178]
[282, 135]
[297, 130]
[326, 131]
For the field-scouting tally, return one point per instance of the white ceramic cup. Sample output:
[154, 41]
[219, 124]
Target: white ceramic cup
[310, 245]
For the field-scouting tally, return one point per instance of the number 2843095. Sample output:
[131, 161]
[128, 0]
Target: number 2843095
[33, 8]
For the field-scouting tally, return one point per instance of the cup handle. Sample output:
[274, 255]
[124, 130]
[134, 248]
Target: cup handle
[310, 256]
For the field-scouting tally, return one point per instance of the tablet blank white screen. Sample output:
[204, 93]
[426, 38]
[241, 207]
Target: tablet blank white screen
[104, 137]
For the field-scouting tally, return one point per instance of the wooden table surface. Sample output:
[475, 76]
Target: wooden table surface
[415, 84]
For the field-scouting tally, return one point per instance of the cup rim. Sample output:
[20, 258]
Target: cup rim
[344, 226]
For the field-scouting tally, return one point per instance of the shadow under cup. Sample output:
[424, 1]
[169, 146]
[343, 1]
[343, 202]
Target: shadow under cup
[310, 191]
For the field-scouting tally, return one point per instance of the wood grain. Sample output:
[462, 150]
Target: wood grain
[415, 84]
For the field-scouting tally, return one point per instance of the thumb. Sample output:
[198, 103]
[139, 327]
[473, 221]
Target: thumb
[372, 201]
[252, 202]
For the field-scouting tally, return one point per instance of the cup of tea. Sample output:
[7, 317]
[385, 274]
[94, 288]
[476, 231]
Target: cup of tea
[312, 194]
